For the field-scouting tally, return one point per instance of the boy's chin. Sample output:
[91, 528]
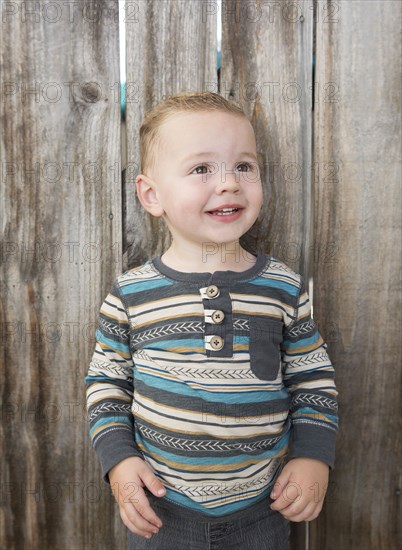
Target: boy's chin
[227, 243]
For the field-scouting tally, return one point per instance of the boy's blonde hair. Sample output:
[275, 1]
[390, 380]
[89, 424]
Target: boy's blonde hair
[182, 102]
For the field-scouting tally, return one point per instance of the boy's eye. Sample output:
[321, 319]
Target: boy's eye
[203, 168]
[246, 166]
[202, 171]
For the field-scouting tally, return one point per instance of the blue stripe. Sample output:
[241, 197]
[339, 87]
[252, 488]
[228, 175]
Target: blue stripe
[237, 339]
[301, 343]
[200, 383]
[298, 413]
[112, 343]
[166, 344]
[101, 378]
[115, 418]
[159, 455]
[287, 287]
[191, 343]
[220, 397]
[132, 288]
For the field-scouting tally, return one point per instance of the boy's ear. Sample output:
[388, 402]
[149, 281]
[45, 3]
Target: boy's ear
[147, 195]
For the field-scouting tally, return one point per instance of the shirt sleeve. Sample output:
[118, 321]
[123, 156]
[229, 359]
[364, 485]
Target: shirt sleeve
[310, 378]
[109, 386]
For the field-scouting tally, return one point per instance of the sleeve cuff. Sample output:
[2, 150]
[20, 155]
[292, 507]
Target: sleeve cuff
[114, 447]
[312, 441]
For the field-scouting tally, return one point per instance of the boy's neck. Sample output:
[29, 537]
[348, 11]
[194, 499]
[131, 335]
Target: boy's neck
[212, 257]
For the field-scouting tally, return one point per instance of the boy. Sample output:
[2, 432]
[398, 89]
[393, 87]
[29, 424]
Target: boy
[211, 398]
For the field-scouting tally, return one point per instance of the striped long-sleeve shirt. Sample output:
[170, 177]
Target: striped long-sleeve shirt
[214, 379]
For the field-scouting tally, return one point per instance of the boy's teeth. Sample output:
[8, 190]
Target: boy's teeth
[225, 211]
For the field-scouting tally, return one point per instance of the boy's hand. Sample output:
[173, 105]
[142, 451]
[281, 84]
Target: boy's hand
[300, 489]
[127, 480]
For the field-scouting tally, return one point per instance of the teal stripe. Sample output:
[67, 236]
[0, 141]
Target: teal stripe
[115, 418]
[160, 456]
[112, 343]
[301, 343]
[304, 411]
[200, 383]
[101, 378]
[220, 397]
[166, 344]
[237, 339]
[191, 343]
[287, 287]
[132, 288]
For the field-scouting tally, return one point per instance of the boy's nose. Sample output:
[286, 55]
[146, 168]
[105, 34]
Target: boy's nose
[227, 181]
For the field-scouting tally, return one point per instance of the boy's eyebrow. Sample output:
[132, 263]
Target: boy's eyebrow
[210, 153]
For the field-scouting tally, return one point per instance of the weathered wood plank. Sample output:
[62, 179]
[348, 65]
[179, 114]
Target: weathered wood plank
[357, 265]
[61, 248]
[171, 48]
[267, 53]
[266, 66]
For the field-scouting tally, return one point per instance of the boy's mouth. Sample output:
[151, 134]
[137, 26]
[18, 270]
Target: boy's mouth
[225, 211]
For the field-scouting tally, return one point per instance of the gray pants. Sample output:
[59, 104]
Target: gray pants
[260, 528]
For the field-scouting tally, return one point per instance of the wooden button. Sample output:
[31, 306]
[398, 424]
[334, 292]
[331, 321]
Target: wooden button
[216, 342]
[218, 316]
[212, 291]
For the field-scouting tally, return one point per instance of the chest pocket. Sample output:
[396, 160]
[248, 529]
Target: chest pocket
[265, 354]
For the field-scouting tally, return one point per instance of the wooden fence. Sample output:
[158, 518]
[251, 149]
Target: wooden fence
[328, 137]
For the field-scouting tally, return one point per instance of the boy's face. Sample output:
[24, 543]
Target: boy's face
[206, 160]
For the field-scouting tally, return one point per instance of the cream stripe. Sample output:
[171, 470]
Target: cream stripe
[111, 310]
[154, 413]
[154, 317]
[221, 432]
[161, 356]
[170, 301]
[278, 276]
[255, 297]
[195, 467]
[292, 368]
[193, 477]
[253, 384]
[97, 392]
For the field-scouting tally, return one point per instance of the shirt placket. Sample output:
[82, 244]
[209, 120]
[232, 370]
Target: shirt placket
[218, 335]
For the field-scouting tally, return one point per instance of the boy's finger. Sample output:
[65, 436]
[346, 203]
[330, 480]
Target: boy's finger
[280, 483]
[276, 490]
[152, 483]
[300, 512]
[280, 502]
[144, 509]
[136, 523]
[285, 500]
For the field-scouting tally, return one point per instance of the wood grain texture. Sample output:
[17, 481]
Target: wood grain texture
[267, 51]
[171, 48]
[61, 249]
[266, 66]
[357, 278]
